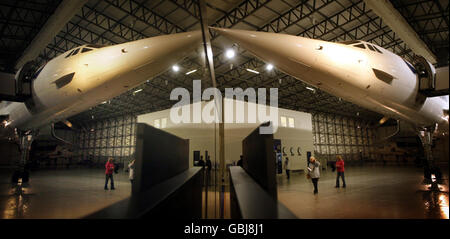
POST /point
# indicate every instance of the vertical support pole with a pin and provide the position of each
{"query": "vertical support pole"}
(426, 139)
(210, 67)
(222, 159)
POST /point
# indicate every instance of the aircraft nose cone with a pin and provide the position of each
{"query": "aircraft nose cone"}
(292, 54)
(175, 45)
(154, 55)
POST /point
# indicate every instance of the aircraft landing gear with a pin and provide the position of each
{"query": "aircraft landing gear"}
(22, 172)
(430, 169)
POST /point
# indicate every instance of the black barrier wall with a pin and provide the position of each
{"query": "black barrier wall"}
(159, 156)
(259, 160)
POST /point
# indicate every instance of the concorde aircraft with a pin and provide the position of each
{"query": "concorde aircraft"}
(87, 75)
(357, 71)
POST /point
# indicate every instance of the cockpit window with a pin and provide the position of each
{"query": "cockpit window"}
(86, 50)
(360, 46)
(95, 46)
(349, 42)
(378, 50)
(410, 67)
(70, 53)
(370, 47)
(76, 52)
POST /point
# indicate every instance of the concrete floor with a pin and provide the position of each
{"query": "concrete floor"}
(376, 192)
(372, 192)
(61, 193)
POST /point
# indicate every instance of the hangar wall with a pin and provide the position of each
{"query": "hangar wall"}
(202, 135)
(339, 135)
(113, 137)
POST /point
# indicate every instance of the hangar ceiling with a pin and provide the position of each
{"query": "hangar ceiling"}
(113, 21)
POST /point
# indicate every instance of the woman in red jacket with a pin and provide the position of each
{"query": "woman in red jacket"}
(109, 173)
(340, 171)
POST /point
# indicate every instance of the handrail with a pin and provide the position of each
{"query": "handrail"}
(250, 201)
(155, 202)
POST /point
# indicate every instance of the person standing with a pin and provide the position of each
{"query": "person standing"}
(239, 162)
(109, 173)
(314, 172)
(340, 171)
(131, 168)
(201, 162)
(208, 170)
(286, 167)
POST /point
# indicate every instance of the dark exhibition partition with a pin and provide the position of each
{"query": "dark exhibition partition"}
(164, 185)
(248, 200)
(159, 156)
(253, 188)
(259, 160)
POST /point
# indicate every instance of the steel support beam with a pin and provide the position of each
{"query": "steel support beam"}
(65, 11)
(398, 24)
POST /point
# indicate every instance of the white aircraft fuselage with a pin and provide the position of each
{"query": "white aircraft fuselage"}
(87, 75)
(359, 72)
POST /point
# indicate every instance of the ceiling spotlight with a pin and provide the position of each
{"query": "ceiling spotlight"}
(6, 123)
(311, 89)
(190, 72)
(269, 67)
(252, 71)
(137, 91)
(229, 53)
(175, 68)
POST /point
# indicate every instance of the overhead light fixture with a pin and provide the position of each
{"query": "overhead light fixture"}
(68, 123)
(92, 117)
(104, 102)
(229, 53)
(269, 67)
(6, 123)
(311, 89)
(382, 120)
(252, 71)
(175, 68)
(190, 72)
(137, 91)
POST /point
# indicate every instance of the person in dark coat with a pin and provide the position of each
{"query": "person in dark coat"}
(239, 162)
(208, 170)
(287, 167)
(201, 162)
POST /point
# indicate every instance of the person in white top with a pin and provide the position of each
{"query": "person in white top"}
(131, 168)
(314, 172)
